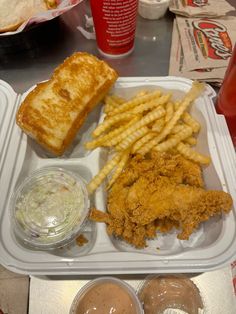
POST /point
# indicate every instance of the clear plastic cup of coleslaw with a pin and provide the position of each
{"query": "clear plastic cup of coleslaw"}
(49, 208)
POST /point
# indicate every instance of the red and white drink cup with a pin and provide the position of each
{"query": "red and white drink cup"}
(115, 25)
(226, 100)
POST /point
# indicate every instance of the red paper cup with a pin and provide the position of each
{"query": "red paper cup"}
(226, 100)
(115, 25)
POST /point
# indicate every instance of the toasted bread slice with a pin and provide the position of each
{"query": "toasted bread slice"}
(55, 110)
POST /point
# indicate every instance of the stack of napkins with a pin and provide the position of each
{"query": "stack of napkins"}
(203, 39)
(201, 8)
(201, 48)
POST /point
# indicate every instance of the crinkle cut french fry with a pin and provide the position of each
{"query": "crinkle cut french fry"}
(118, 100)
(158, 125)
(177, 128)
(169, 111)
(133, 137)
(176, 105)
(136, 101)
(141, 93)
(92, 144)
(190, 96)
(152, 104)
(166, 145)
(106, 124)
(148, 118)
(189, 153)
(174, 140)
(108, 108)
(98, 179)
(191, 141)
(189, 120)
(108, 100)
(104, 140)
(110, 104)
(137, 145)
(196, 89)
(119, 168)
(100, 141)
(184, 134)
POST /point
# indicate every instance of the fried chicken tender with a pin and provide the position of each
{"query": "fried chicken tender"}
(159, 192)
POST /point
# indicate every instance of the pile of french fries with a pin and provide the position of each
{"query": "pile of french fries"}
(148, 121)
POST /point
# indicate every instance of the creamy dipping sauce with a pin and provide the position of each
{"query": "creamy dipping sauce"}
(106, 298)
(170, 292)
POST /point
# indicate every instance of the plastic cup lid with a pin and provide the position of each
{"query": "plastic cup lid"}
(170, 294)
(49, 207)
(88, 298)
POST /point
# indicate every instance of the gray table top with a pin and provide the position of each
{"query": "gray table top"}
(30, 57)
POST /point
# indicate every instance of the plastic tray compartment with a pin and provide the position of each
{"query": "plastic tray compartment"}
(210, 247)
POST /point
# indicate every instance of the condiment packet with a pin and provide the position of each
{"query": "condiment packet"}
(200, 8)
(178, 65)
(63, 6)
(207, 43)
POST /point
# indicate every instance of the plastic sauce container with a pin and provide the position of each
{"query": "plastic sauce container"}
(106, 295)
(49, 208)
(226, 100)
(153, 9)
(170, 294)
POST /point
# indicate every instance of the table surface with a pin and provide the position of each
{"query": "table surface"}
(28, 58)
(215, 287)
(31, 57)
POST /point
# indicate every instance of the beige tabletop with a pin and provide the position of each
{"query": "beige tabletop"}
(14, 291)
(55, 296)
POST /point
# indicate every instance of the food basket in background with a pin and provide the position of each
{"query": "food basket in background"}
(62, 6)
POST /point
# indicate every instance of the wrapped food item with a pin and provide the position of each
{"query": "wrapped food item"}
(207, 43)
(178, 64)
(200, 8)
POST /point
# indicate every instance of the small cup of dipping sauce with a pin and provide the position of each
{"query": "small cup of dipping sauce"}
(106, 295)
(169, 293)
(49, 208)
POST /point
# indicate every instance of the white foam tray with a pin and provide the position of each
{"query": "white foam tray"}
(210, 247)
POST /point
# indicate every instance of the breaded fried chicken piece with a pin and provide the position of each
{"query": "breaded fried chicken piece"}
(187, 205)
(124, 228)
(159, 192)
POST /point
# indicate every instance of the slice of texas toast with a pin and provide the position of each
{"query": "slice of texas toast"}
(55, 110)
